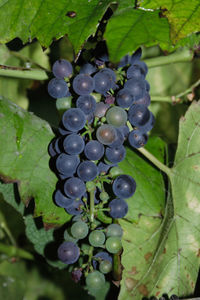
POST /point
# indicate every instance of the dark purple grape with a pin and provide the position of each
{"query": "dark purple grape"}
(142, 66)
(73, 144)
(67, 164)
(86, 103)
(101, 109)
(83, 84)
(135, 72)
(62, 200)
(138, 115)
(119, 139)
(74, 188)
(124, 61)
(149, 125)
(137, 87)
(94, 150)
(118, 208)
(68, 253)
(76, 275)
(110, 99)
(57, 88)
(144, 100)
(115, 155)
(51, 150)
(135, 57)
(87, 170)
(103, 82)
(124, 186)
(62, 68)
(137, 138)
(103, 168)
(74, 119)
(125, 131)
(124, 98)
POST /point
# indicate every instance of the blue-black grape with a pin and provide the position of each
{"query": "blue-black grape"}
(137, 87)
(74, 119)
(62, 68)
(103, 168)
(138, 115)
(75, 208)
(101, 109)
(124, 61)
(61, 200)
(94, 150)
(86, 103)
(68, 252)
(124, 130)
(124, 186)
(136, 56)
(87, 69)
(137, 138)
(135, 72)
(111, 74)
(118, 208)
(106, 134)
(74, 188)
(144, 100)
(149, 125)
(100, 256)
(73, 144)
(51, 149)
(67, 164)
(142, 66)
(115, 155)
(83, 84)
(103, 82)
(124, 98)
(87, 170)
(57, 88)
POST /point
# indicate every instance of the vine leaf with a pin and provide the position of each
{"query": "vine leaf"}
(40, 19)
(183, 16)
(163, 257)
(25, 160)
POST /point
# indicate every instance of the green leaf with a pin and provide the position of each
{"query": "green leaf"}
(44, 21)
(183, 16)
(149, 197)
(15, 88)
(25, 160)
(128, 29)
(163, 256)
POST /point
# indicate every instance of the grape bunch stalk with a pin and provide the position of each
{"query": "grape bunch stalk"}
(109, 109)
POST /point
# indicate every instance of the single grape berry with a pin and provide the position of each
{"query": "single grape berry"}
(137, 138)
(103, 82)
(95, 280)
(62, 68)
(106, 134)
(101, 109)
(105, 266)
(79, 230)
(74, 119)
(73, 144)
(124, 186)
(101, 256)
(83, 84)
(118, 208)
(113, 244)
(68, 252)
(116, 116)
(114, 230)
(67, 164)
(86, 103)
(94, 150)
(87, 69)
(96, 238)
(87, 170)
(138, 115)
(75, 208)
(57, 88)
(61, 200)
(115, 155)
(74, 188)
(76, 275)
(124, 98)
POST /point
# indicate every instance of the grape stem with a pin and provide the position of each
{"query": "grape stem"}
(13, 251)
(155, 161)
(92, 205)
(25, 73)
(176, 98)
(4, 226)
(177, 57)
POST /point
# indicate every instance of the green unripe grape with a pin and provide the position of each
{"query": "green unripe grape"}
(79, 230)
(114, 230)
(97, 238)
(116, 116)
(105, 266)
(104, 196)
(113, 244)
(115, 171)
(95, 280)
(90, 186)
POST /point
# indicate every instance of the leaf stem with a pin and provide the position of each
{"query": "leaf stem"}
(25, 73)
(12, 251)
(179, 56)
(155, 161)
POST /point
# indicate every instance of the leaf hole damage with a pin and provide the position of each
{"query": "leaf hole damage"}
(71, 14)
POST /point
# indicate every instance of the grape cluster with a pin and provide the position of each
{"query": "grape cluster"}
(109, 109)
